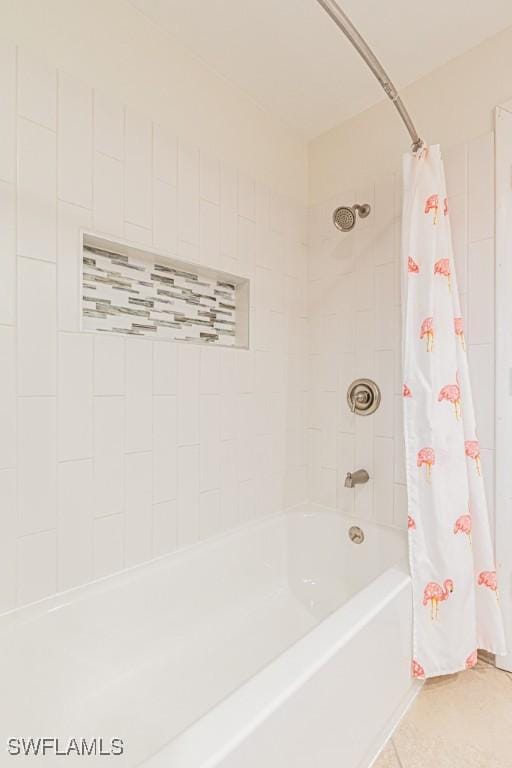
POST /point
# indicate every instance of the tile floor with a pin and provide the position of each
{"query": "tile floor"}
(458, 721)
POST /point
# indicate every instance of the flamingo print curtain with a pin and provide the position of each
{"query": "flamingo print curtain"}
(456, 602)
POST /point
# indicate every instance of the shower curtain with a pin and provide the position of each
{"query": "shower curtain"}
(455, 592)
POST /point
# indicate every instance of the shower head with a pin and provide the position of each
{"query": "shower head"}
(344, 218)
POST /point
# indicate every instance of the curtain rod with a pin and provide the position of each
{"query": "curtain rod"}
(362, 47)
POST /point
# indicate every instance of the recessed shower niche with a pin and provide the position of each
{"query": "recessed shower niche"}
(128, 290)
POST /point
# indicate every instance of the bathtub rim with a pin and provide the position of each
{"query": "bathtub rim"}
(24, 614)
(219, 731)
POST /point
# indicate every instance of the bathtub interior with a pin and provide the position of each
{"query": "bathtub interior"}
(144, 654)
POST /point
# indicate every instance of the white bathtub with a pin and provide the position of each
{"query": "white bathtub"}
(282, 645)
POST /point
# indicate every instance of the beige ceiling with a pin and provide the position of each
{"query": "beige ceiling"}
(292, 60)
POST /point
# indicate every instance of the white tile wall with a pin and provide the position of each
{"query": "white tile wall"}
(37, 191)
(37, 89)
(115, 450)
(75, 522)
(354, 298)
(7, 111)
(74, 170)
(108, 125)
(7, 252)
(8, 536)
(138, 155)
(37, 364)
(108, 195)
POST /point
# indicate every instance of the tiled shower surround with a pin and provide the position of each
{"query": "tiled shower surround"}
(116, 449)
(355, 331)
(146, 297)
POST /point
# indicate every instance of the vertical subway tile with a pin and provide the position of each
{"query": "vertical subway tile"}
(36, 328)
(109, 473)
(139, 395)
(400, 506)
(7, 253)
(109, 365)
(37, 457)
(188, 495)
(137, 234)
(209, 371)
(246, 197)
(481, 292)
(75, 397)
(139, 508)
(70, 220)
(165, 526)
(108, 125)
(481, 187)
(7, 397)
(210, 449)
(74, 173)
(37, 191)
(209, 238)
(188, 193)
(108, 194)
(165, 155)
(165, 224)
(228, 212)
(459, 229)
(7, 111)
(384, 415)
(383, 480)
(210, 519)
(481, 366)
(165, 448)
(456, 170)
(138, 154)
(37, 566)
(384, 315)
(37, 89)
(209, 178)
(188, 395)
(165, 368)
(75, 514)
(8, 517)
(108, 547)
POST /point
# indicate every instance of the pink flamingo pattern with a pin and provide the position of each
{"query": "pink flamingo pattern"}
(472, 451)
(488, 579)
(442, 267)
(449, 536)
(427, 331)
(432, 204)
(463, 525)
(458, 323)
(412, 266)
(416, 669)
(451, 393)
(435, 593)
(427, 457)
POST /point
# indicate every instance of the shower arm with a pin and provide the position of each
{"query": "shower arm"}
(343, 22)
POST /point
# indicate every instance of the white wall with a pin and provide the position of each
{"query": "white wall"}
(452, 104)
(110, 45)
(114, 450)
(354, 291)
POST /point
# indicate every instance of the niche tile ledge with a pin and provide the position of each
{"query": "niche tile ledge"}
(128, 290)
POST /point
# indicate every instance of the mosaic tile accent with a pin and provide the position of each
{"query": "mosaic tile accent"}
(153, 297)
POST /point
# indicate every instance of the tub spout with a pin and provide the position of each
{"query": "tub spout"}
(356, 478)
